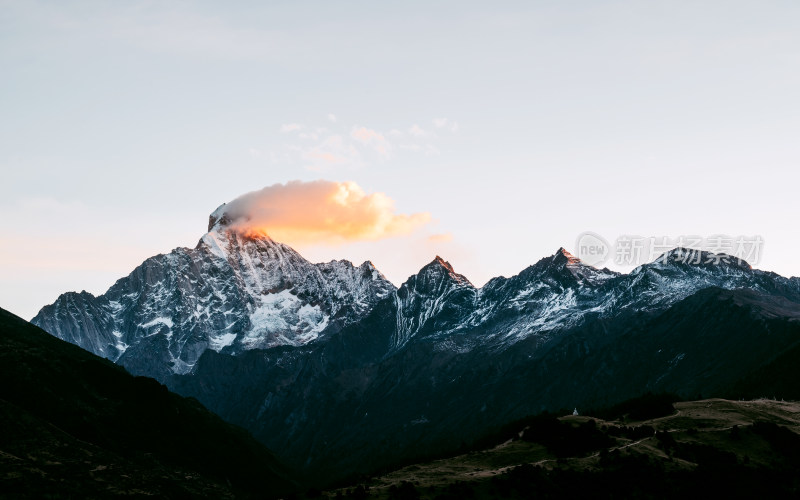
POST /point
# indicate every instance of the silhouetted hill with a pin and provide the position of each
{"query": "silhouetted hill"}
(75, 425)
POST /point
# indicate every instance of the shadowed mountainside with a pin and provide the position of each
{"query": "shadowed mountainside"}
(381, 410)
(76, 425)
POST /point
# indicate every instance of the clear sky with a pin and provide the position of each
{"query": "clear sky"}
(508, 128)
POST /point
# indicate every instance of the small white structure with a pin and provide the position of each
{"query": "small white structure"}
(575, 412)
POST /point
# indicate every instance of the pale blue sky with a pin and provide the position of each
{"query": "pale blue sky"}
(516, 125)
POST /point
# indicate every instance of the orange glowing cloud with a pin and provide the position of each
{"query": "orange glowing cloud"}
(318, 212)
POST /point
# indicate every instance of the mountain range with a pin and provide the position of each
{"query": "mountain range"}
(339, 372)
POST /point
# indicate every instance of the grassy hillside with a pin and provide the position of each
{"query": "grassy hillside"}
(720, 447)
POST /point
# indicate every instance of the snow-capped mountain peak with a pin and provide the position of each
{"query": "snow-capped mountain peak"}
(568, 270)
(563, 256)
(701, 258)
(235, 291)
(218, 218)
(437, 270)
(693, 262)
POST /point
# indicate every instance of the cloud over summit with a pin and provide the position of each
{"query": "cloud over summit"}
(319, 212)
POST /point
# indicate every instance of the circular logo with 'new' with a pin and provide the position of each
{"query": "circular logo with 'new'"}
(592, 248)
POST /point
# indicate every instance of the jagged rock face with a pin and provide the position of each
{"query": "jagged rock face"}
(230, 294)
(433, 302)
(338, 371)
(82, 319)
